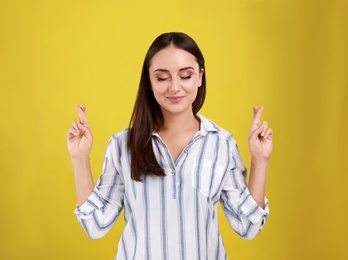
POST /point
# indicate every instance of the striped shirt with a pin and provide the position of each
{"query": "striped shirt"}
(174, 216)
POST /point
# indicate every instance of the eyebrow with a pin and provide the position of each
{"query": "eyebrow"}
(182, 69)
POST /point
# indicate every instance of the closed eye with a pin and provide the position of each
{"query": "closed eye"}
(187, 77)
(161, 79)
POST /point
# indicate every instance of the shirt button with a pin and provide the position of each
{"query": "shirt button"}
(173, 171)
(186, 151)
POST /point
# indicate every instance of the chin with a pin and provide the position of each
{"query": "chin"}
(176, 111)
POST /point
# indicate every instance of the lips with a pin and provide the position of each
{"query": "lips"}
(175, 99)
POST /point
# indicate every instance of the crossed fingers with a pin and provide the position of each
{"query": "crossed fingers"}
(81, 123)
(257, 128)
(81, 110)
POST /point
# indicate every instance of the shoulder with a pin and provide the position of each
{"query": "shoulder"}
(122, 135)
(118, 140)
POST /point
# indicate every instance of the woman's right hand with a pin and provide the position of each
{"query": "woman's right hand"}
(79, 136)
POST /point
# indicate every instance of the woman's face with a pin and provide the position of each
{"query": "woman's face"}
(175, 78)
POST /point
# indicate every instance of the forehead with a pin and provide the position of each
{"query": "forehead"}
(172, 58)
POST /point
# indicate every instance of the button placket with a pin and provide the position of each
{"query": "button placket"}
(177, 172)
(173, 177)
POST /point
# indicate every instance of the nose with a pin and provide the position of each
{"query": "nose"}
(174, 85)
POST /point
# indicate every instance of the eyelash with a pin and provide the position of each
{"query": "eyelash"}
(184, 78)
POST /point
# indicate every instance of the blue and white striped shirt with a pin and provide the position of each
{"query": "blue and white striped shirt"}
(175, 216)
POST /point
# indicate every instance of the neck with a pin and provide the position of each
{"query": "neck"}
(179, 122)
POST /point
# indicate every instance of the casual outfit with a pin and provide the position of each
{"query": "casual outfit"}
(174, 216)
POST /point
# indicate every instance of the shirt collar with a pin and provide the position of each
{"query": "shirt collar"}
(205, 127)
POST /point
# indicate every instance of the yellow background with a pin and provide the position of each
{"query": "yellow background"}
(290, 56)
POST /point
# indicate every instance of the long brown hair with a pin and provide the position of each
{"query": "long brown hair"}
(147, 115)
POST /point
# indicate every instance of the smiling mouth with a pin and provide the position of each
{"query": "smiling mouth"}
(175, 99)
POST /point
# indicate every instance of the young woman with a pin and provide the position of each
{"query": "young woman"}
(172, 166)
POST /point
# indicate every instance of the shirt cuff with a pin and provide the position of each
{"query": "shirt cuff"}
(251, 209)
(94, 201)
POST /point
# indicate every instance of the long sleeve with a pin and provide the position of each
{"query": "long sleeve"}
(174, 216)
(242, 212)
(102, 208)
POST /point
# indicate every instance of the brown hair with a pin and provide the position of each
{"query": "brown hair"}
(147, 115)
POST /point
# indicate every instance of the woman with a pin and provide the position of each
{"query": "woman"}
(171, 167)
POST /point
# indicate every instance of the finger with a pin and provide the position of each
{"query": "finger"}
(75, 125)
(264, 127)
(81, 110)
(83, 107)
(268, 133)
(72, 132)
(257, 116)
(255, 110)
(256, 120)
(256, 133)
(84, 130)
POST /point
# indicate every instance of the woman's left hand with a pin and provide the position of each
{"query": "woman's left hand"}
(260, 138)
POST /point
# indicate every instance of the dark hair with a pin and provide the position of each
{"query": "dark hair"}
(147, 115)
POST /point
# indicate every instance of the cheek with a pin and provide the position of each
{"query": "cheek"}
(158, 92)
(159, 87)
(191, 86)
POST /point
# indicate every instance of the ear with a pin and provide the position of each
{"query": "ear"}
(200, 77)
